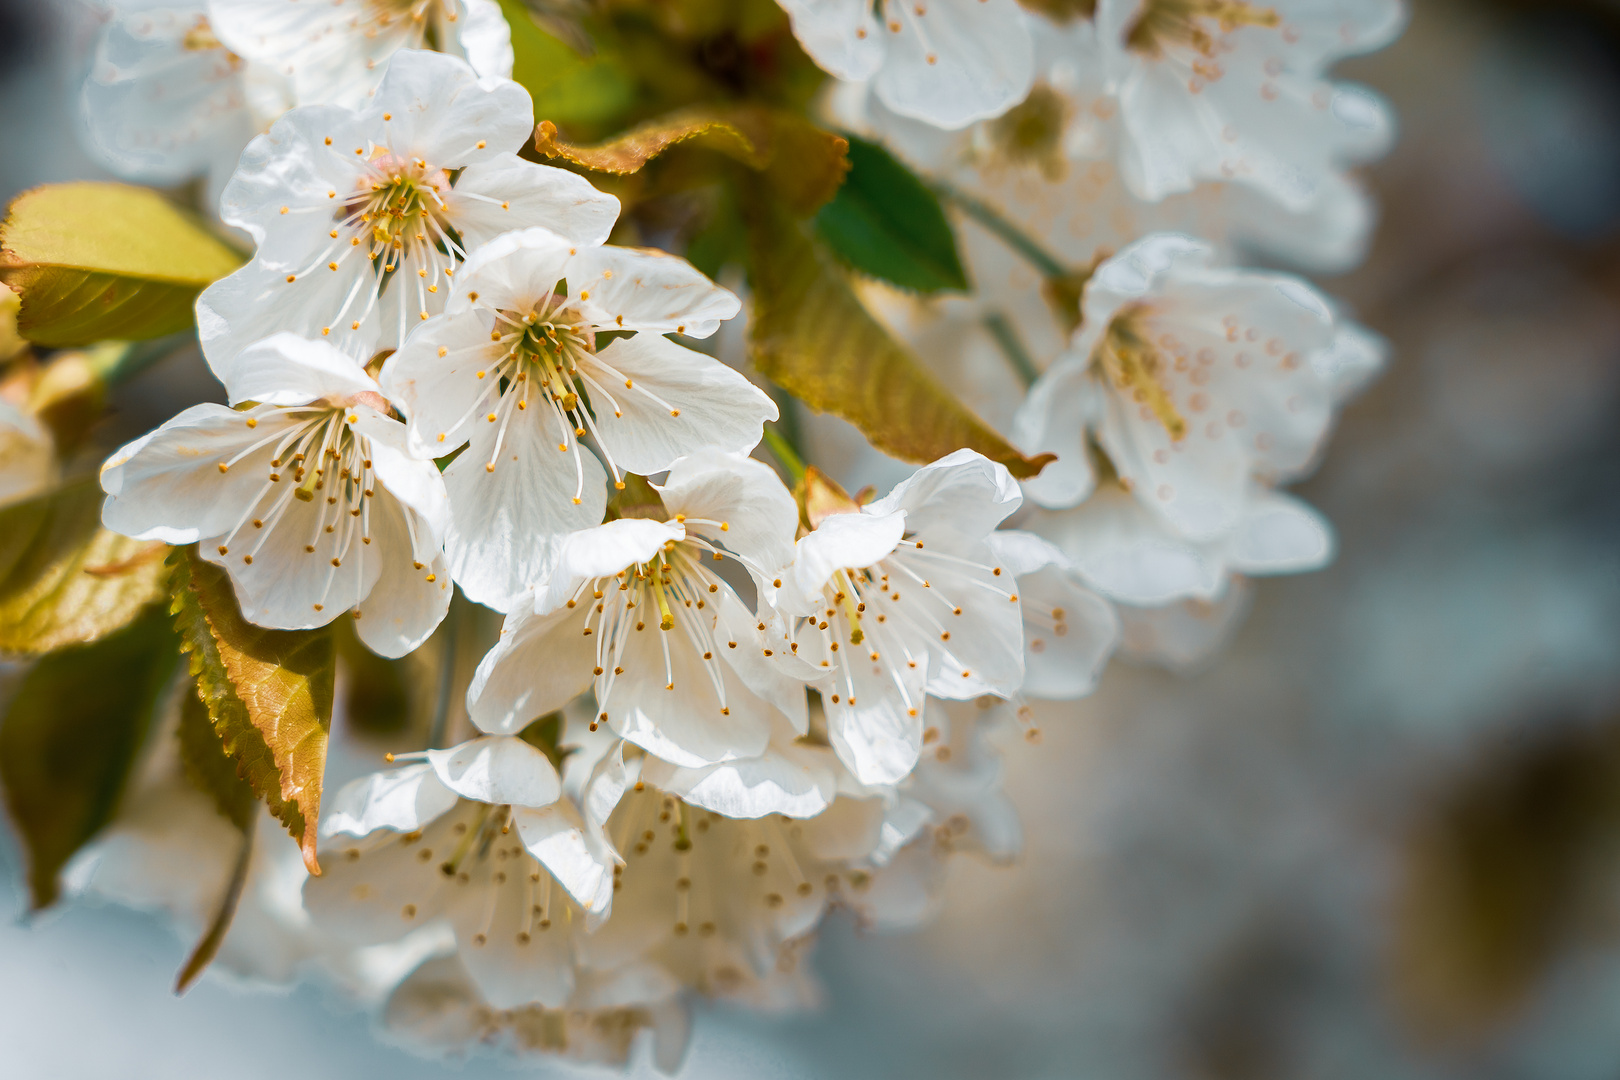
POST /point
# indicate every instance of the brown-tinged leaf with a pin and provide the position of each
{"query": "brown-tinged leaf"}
(95, 261)
(64, 579)
(268, 692)
(213, 772)
(813, 337)
(804, 164)
(70, 737)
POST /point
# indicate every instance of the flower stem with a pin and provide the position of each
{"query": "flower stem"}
(1048, 264)
(1001, 328)
(785, 452)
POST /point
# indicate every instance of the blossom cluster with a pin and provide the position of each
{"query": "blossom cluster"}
(722, 704)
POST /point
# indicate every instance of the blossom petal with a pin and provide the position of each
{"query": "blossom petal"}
(841, 541)
(498, 769)
(602, 552)
(951, 62)
(664, 401)
(513, 272)
(1069, 634)
(412, 591)
(1056, 418)
(167, 486)
(433, 106)
(650, 290)
(507, 522)
(557, 837)
(504, 193)
(958, 499)
(785, 780)
(540, 664)
(746, 496)
(840, 35)
(285, 369)
(1280, 535)
(403, 800)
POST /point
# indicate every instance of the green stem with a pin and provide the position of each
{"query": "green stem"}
(785, 452)
(447, 671)
(1048, 264)
(1001, 328)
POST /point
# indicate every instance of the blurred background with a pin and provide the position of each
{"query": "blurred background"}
(1378, 837)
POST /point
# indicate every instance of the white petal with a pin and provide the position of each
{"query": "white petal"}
(416, 484)
(956, 61)
(679, 402)
(1129, 554)
(258, 301)
(507, 524)
(840, 35)
(958, 499)
(603, 551)
(1280, 535)
(498, 769)
(439, 396)
(1064, 666)
(784, 780)
(1020, 553)
(557, 837)
(540, 663)
(744, 495)
(443, 113)
(403, 800)
(515, 271)
(506, 193)
(1061, 408)
(878, 739)
(286, 369)
(650, 290)
(167, 485)
(412, 591)
(842, 541)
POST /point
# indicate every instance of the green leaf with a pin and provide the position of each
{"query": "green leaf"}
(886, 223)
(803, 163)
(268, 692)
(567, 87)
(95, 261)
(64, 579)
(213, 772)
(70, 737)
(813, 337)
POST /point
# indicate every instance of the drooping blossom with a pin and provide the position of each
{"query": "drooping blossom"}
(513, 369)
(305, 495)
(361, 218)
(903, 598)
(636, 610)
(480, 836)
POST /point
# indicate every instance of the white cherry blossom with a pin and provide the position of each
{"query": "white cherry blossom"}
(166, 101)
(719, 902)
(361, 218)
(481, 836)
(1228, 89)
(902, 598)
(1195, 380)
(512, 369)
(636, 610)
(305, 495)
(27, 455)
(439, 1008)
(333, 52)
(945, 62)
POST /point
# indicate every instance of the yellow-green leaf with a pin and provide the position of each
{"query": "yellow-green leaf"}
(95, 261)
(804, 164)
(64, 579)
(70, 737)
(213, 772)
(813, 337)
(268, 692)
